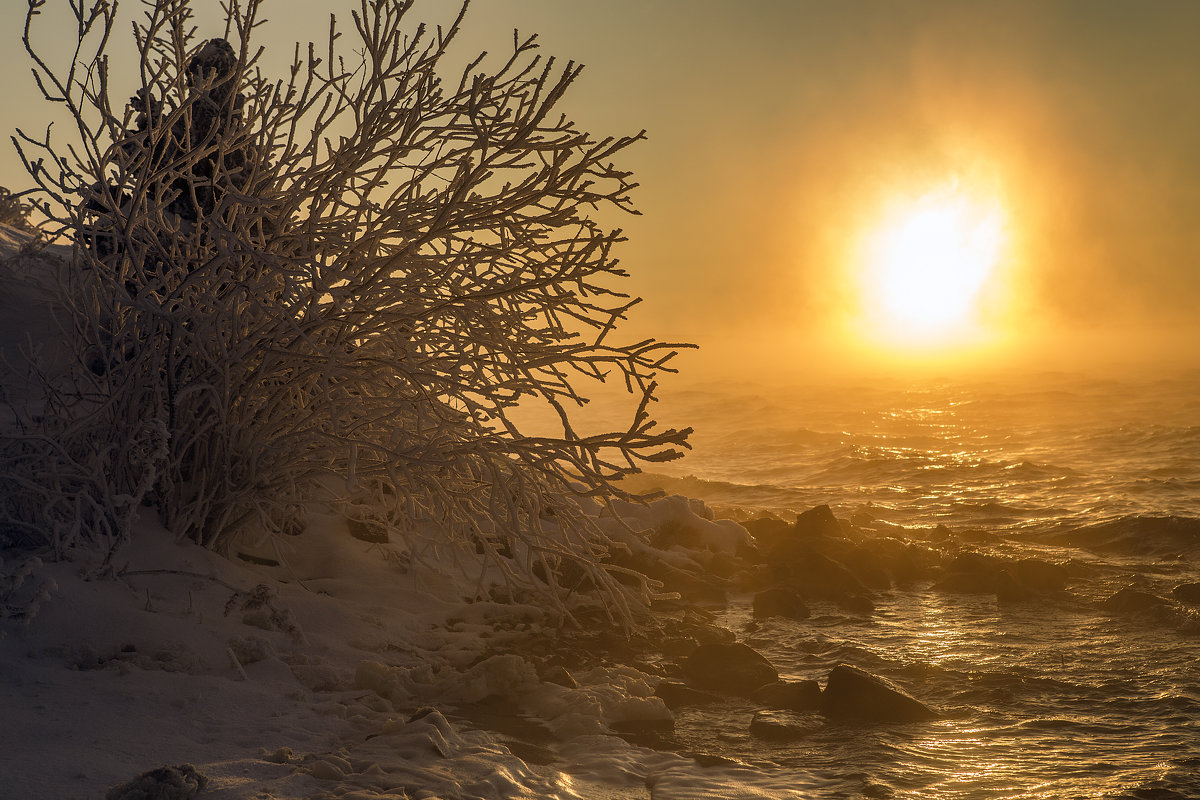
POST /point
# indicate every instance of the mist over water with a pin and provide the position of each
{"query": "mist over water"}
(1030, 454)
(1054, 698)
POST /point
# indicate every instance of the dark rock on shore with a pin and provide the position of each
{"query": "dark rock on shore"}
(679, 646)
(677, 695)
(558, 674)
(780, 602)
(644, 727)
(790, 695)
(1009, 589)
(784, 726)
(971, 573)
(818, 521)
(853, 694)
(868, 566)
(1187, 593)
(906, 561)
(813, 573)
(767, 532)
(857, 604)
(1009, 580)
(825, 558)
(700, 626)
(1134, 601)
(1040, 576)
(693, 586)
(182, 782)
(729, 668)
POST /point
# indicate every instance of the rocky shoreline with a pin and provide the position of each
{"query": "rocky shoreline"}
(781, 569)
(390, 684)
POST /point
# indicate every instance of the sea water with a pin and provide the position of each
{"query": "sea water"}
(1048, 699)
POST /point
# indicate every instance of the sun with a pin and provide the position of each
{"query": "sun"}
(926, 266)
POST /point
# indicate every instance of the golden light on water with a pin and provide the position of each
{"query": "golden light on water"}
(925, 270)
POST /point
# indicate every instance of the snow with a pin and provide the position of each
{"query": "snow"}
(341, 672)
(317, 693)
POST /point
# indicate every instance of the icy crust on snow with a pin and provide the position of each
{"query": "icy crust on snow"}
(605, 696)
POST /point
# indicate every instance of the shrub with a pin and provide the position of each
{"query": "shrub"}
(13, 212)
(340, 284)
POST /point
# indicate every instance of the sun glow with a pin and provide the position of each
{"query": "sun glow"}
(926, 268)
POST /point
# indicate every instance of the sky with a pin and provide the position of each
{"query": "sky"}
(784, 134)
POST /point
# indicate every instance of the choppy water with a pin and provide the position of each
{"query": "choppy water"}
(1053, 699)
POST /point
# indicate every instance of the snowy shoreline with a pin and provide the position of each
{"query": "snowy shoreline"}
(334, 671)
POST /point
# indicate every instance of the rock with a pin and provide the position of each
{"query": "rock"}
(964, 583)
(707, 633)
(814, 574)
(1027, 579)
(326, 770)
(905, 561)
(780, 602)
(971, 573)
(679, 646)
(182, 782)
(1010, 590)
(283, 755)
(644, 727)
(677, 695)
(317, 677)
(1187, 593)
(1134, 601)
(768, 531)
(856, 604)
(941, 534)
(976, 564)
(375, 532)
(723, 565)
(790, 695)
(673, 533)
(702, 627)
(868, 567)
(784, 726)
(818, 521)
(558, 674)
(1040, 576)
(250, 649)
(748, 554)
(729, 668)
(754, 578)
(857, 695)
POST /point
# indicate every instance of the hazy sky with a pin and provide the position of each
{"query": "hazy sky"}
(781, 129)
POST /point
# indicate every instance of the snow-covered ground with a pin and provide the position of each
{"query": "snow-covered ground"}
(319, 668)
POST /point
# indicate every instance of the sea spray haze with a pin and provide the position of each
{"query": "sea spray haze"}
(334, 285)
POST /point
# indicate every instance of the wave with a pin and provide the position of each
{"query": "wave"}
(765, 497)
(1134, 534)
(911, 468)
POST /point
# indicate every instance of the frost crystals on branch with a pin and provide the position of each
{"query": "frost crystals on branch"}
(347, 278)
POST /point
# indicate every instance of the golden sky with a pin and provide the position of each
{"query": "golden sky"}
(783, 132)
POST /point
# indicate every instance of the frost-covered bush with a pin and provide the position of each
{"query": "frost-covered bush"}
(338, 284)
(13, 212)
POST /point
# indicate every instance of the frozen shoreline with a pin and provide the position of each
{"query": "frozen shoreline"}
(334, 672)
